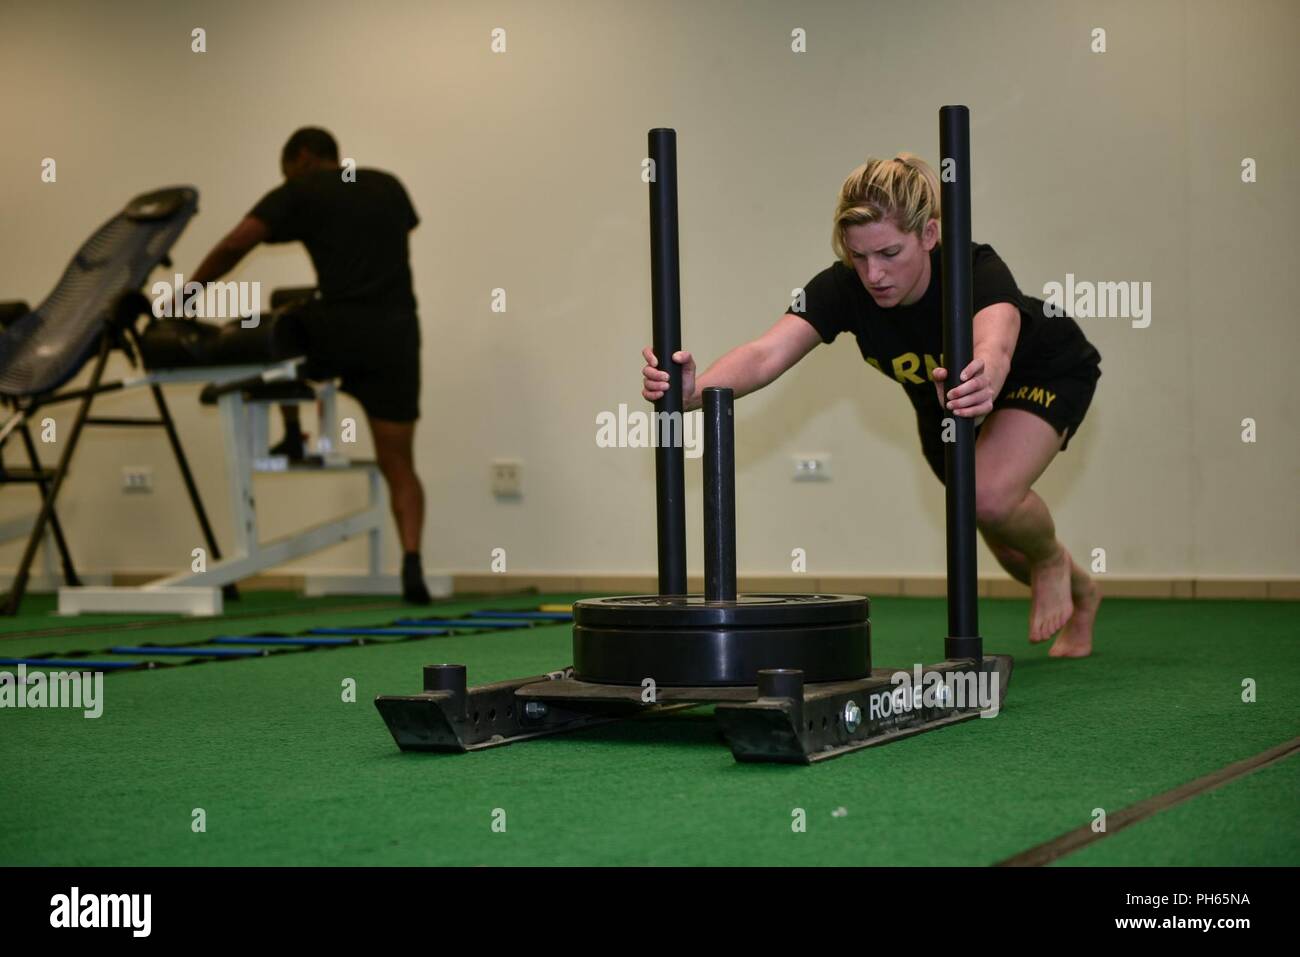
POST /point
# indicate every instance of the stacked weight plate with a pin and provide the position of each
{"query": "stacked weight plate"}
(691, 640)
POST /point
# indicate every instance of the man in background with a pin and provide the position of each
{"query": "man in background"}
(363, 328)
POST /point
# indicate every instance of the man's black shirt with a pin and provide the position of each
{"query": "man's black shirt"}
(355, 232)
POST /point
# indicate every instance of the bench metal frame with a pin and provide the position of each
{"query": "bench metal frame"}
(245, 431)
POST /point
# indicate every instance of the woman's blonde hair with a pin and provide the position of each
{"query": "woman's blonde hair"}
(902, 190)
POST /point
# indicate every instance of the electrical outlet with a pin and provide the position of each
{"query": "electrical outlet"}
(137, 478)
(812, 468)
(507, 479)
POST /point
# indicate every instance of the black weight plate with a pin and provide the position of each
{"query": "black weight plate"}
(720, 656)
(694, 611)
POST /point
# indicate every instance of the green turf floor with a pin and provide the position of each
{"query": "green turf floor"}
(288, 773)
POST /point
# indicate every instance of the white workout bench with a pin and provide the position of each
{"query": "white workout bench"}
(245, 428)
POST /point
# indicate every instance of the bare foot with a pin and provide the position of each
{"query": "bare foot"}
(1050, 607)
(1076, 640)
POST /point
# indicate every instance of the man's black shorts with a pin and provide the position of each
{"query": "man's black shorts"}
(373, 349)
(1061, 401)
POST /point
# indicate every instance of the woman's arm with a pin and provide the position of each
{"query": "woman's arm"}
(996, 329)
(745, 369)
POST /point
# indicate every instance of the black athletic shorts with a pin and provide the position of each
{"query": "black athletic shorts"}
(1061, 401)
(373, 349)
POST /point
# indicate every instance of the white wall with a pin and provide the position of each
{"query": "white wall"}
(525, 168)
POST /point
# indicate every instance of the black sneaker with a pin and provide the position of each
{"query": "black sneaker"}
(414, 591)
(293, 446)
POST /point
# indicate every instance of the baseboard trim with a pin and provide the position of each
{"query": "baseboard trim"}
(913, 586)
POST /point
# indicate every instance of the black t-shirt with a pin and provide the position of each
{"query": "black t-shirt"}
(906, 342)
(355, 233)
